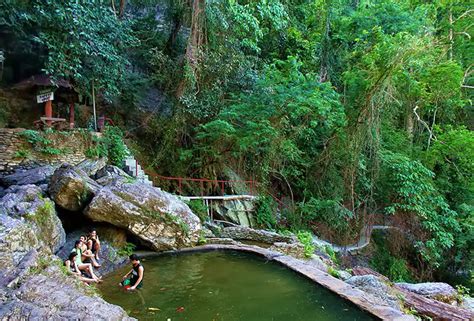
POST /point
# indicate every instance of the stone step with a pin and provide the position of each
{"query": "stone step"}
(132, 168)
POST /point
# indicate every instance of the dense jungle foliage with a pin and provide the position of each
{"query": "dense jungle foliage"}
(352, 112)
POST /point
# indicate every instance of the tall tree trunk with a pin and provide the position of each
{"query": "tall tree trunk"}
(409, 123)
(123, 4)
(451, 33)
(325, 43)
(177, 24)
(195, 42)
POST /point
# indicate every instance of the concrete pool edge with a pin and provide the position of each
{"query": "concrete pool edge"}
(361, 299)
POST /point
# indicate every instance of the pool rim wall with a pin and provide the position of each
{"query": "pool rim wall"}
(358, 297)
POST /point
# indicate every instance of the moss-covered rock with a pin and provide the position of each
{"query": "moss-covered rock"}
(27, 204)
(159, 219)
(71, 188)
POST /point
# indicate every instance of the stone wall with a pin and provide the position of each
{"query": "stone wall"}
(16, 152)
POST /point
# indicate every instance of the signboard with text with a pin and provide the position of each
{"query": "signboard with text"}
(44, 97)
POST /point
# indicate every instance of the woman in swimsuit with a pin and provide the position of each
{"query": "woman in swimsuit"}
(71, 267)
(86, 267)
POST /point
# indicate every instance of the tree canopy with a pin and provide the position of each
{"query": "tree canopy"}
(353, 111)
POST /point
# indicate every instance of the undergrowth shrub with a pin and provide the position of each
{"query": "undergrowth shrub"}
(265, 209)
(306, 239)
(41, 141)
(199, 208)
(110, 145)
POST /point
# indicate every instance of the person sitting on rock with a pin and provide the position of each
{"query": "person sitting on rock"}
(70, 264)
(93, 243)
(86, 267)
(87, 255)
(134, 278)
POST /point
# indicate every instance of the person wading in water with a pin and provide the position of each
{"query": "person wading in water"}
(134, 279)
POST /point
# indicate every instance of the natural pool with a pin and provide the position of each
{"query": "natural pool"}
(226, 286)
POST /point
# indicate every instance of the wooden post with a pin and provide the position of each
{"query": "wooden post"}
(208, 209)
(71, 116)
(93, 106)
(48, 111)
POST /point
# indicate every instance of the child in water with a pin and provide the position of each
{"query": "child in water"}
(134, 278)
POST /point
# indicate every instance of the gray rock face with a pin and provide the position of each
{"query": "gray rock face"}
(159, 219)
(27, 204)
(317, 262)
(16, 239)
(111, 175)
(38, 175)
(91, 166)
(374, 286)
(71, 188)
(57, 297)
(235, 211)
(468, 303)
(292, 249)
(344, 275)
(250, 234)
(433, 290)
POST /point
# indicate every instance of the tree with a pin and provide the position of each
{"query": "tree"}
(85, 43)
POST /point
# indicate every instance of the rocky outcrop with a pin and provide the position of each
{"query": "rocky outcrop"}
(433, 290)
(237, 211)
(17, 239)
(250, 234)
(92, 166)
(158, 219)
(27, 205)
(72, 188)
(292, 249)
(52, 295)
(111, 175)
(468, 303)
(30, 231)
(38, 175)
(377, 288)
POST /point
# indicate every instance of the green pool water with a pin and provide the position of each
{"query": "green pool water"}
(226, 286)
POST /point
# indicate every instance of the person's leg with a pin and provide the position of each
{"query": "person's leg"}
(91, 259)
(87, 280)
(97, 249)
(88, 268)
(89, 244)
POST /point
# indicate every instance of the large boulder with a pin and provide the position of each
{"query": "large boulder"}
(38, 175)
(111, 175)
(157, 218)
(434, 290)
(71, 188)
(250, 234)
(92, 166)
(377, 288)
(27, 203)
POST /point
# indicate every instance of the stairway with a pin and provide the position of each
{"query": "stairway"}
(132, 168)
